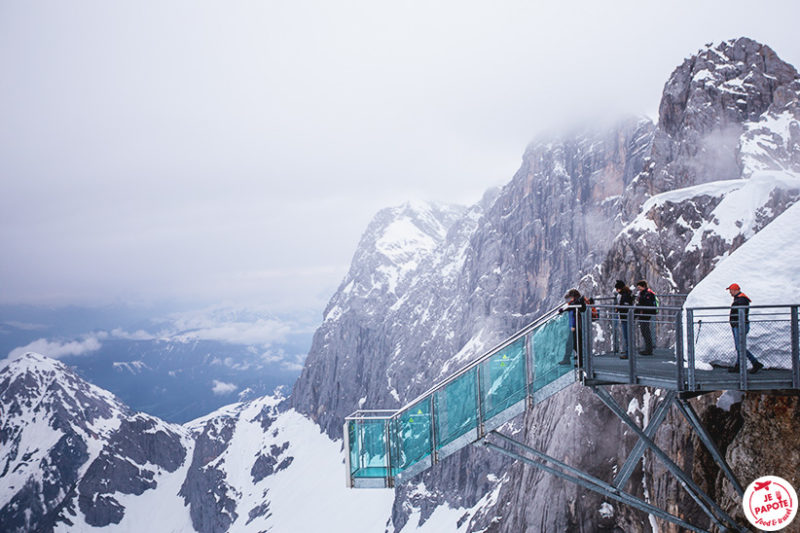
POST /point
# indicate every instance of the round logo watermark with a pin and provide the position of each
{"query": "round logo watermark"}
(770, 503)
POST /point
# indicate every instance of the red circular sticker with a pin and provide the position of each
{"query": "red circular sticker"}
(770, 503)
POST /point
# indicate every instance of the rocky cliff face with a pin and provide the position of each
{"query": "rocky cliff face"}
(730, 112)
(500, 264)
(664, 202)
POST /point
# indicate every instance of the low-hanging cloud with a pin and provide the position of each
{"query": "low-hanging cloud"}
(25, 326)
(56, 349)
(231, 326)
(221, 388)
(138, 335)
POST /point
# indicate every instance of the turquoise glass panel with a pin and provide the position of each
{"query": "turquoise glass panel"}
(503, 379)
(456, 408)
(411, 435)
(368, 448)
(551, 341)
(353, 441)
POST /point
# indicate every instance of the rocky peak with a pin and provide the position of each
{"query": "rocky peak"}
(35, 386)
(725, 111)
(731, 82)
(708, 103)
(395, 242)
(67, 445)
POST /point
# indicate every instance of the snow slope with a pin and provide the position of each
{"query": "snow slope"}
(767, 267)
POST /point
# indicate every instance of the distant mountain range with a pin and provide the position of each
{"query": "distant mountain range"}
(177, 368)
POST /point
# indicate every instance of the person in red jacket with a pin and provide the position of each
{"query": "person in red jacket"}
(740, 300)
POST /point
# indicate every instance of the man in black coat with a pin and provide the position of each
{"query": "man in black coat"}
(740, 300)
(645, 309)
(624, 302)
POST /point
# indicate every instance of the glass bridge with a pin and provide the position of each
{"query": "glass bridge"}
(387, 445)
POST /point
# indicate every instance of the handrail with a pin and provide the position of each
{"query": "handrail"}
(620, 306)
(452, 377)
(728, 308)
(373, 413)
(486, 355)
(365, 414)
(510, 340)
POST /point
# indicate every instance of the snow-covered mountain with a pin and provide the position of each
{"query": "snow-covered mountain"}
(686, 203)
(73, 456)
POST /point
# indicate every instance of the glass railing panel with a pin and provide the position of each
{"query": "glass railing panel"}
(368, 448)
(411, 435)
(503, 379)
(551, 344)
(353, 442)
(456, 408)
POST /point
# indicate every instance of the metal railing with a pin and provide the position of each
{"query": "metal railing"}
(734, 339)
(695, 348)
(631, 336)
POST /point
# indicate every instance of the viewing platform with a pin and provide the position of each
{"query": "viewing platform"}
(694, 353)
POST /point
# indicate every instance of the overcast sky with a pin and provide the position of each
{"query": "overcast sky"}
(209, 151)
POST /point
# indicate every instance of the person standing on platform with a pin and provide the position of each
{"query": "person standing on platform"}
(645, 309)
(573, 298)
(625, 300)
(740, 300)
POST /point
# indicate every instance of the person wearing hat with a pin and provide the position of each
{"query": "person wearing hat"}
(624, 302)
(573, 298)
(740, 300)
(645, 308)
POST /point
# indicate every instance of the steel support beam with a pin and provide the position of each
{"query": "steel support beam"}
(586, 481)
(690, 341)
(795, 349)
(638, 449)
(680, 374)
(701, 498)
(691, 416)
(741, 347)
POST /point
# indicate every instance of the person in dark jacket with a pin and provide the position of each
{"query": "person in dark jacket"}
(573, 298)
(625, 300)
(645, 309)
(740, 300)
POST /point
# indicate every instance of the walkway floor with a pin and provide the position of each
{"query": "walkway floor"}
(660, 370)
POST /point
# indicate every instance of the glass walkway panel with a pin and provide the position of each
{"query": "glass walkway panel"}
(523, 370)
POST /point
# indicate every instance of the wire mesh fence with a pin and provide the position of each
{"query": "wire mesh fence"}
(765, 333)
(613, 328)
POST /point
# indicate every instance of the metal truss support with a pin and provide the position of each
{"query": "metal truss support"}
(708, 505)
(568, 473)
(639, 448)
(691, 416)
